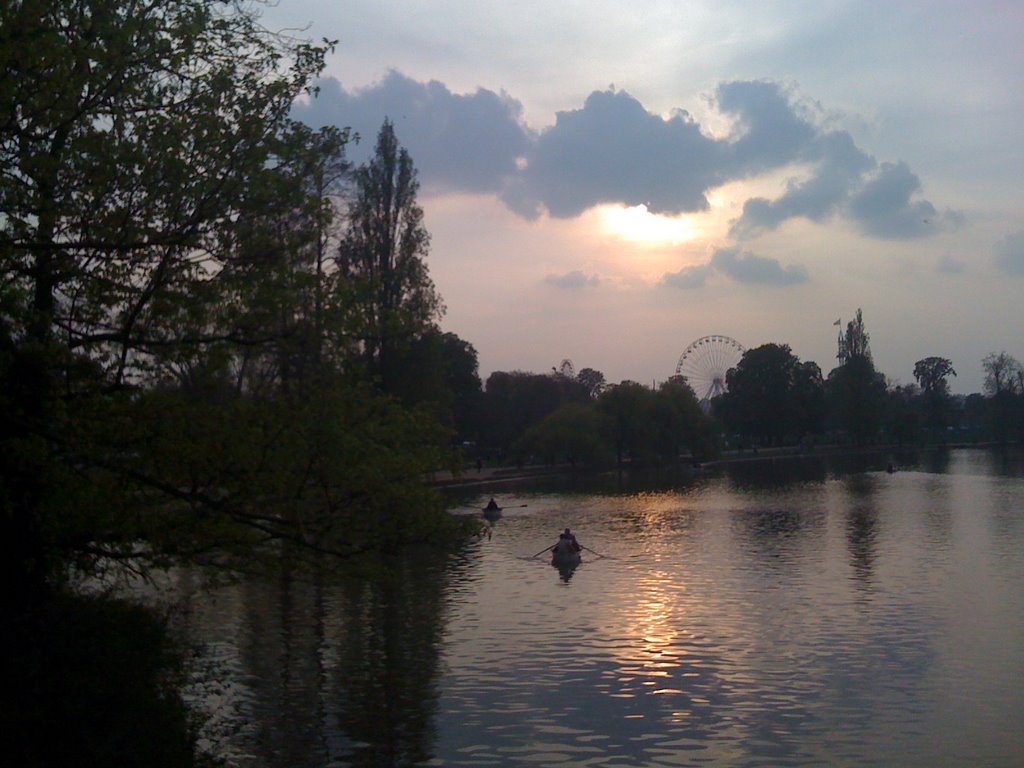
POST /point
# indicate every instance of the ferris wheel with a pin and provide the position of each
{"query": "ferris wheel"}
(566, 369)
(705, 363)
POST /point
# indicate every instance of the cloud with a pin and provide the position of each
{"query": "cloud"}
(745, 267)
(573, 281)
(688, 278)
(613, 151)
(839, 167)
(883, 207)
(1009, 254)
(468, 143)
(741, 266)
(768, 130)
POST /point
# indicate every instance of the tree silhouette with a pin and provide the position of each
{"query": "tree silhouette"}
(381, 257)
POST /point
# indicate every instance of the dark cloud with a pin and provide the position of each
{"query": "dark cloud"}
(688, 278)
(465, 143)
(839, 167)
(741, 266)
(612, 150)
(882, 208)
(769, 132)
(1009, 254)
(744, 267)
(573, 281)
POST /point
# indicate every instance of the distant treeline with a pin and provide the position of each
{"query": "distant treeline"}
(773, 399)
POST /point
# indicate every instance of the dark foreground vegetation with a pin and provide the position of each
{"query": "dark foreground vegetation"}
(220, 342)
(209, 324)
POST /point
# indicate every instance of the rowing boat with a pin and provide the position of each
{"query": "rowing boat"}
(564, 554)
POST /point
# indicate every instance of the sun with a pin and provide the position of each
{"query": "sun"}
(637, 224)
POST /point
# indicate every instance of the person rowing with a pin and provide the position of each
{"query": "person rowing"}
(570, 538)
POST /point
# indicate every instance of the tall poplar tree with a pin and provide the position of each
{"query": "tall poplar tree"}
(855, 391)
(381, 259)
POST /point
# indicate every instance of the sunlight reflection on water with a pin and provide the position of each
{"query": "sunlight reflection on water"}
(809, 618)
(807, 623)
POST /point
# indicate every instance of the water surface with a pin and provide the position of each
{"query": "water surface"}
(784, 612)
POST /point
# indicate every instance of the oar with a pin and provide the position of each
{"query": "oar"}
(592, 551)
(500, 509)
(546, 549)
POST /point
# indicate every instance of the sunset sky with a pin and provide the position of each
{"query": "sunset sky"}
(608, 181)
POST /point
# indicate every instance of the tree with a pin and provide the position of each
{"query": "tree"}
(381, 257)
(931, 374)
(440, 369)
(592, 380)
(855, 342)
(900, 416)
(570, 433)
(628, 411)
(277, 298)
(681, 424)
(1003, 385)
(129, 134)
(771, 394)
(462, 375)
(513, 402)
(974, 415)
(855, 396)
(855, 391)
(1002, 374)
(809, 399)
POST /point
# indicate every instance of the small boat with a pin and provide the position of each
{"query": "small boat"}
(564, 554)
(492, 513)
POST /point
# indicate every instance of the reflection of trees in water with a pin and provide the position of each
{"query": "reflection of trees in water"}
(1007, 461)
(387, 640)
(862, 540)
(768, 473)
(778, 536)
(935, 461)
(862, 526)
(278, 654)
(339, 669)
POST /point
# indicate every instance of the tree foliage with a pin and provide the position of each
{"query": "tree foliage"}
(855, 393)
(129, 136)
(178, 348)
(855, 342)
(571, 433)
(680, 424)
(627, 410)
(932, 374)
(772, 395)
(1002, 374)
(513, 402)
(381, 257)
(592, 381)
(1004, 384)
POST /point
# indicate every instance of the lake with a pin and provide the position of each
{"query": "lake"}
(811, 611)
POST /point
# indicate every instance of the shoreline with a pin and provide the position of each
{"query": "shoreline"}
(505, 474)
